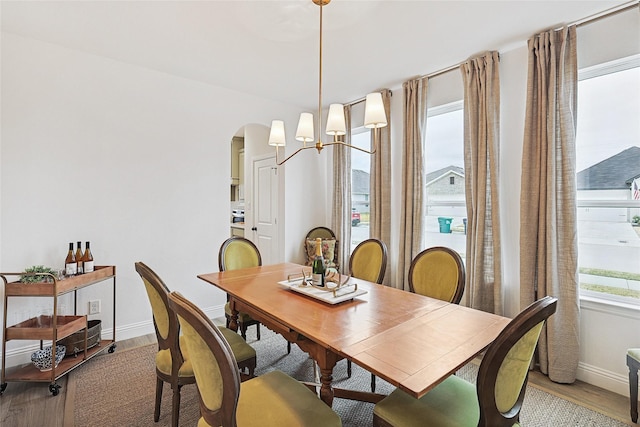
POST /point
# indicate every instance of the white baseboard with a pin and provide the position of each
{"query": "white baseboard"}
(604, 379)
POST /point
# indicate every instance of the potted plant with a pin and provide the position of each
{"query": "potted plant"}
(31, 274)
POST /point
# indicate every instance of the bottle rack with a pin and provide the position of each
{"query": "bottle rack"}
(52, 328)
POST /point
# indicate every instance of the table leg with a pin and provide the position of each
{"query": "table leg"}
(326, 391)
(233, 323)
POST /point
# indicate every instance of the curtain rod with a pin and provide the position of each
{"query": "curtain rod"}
(364, 98)
(584, 21)
(606, 13)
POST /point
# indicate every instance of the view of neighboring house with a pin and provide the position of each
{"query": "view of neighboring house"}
(360, 190)
(445, 184)
(610, 179)
(445, 194)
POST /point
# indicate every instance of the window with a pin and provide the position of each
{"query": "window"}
(446, 213)
(608, 167)
(360, 172)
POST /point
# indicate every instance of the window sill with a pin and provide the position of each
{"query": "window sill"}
(617, 308)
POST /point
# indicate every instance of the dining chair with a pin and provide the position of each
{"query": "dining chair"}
(495, 400)
(173, 364)
(329, 249)
(633, 362)
(235, 253)
(368, 261)
(272, 399)
(438, 272)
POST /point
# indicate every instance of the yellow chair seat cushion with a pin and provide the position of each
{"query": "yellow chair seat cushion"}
(453, 403)
(163, 361)
(634, 353)
(241, 350)
(242, 317)
(275, 399)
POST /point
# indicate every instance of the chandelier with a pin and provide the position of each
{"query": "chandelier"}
(374, 117)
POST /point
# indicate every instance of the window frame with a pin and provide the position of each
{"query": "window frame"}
(586, 73)
(436, 111)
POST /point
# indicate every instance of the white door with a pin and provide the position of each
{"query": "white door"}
(265, 209)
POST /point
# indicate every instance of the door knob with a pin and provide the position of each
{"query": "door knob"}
(254, 228)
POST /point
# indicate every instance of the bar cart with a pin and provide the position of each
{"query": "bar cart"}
(54, 327)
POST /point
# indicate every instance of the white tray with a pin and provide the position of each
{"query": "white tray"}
(322, 295)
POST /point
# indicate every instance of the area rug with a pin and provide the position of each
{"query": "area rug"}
(119, 390)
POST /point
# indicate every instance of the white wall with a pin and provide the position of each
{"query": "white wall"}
(133, 160)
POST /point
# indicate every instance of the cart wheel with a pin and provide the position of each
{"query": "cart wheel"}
(112, 348)
(54, 389)
(3, 387)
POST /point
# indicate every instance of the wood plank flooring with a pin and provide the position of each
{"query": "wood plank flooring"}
(31, 404)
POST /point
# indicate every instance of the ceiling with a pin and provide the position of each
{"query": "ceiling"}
(270, 48)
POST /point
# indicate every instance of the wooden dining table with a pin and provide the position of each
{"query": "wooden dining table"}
(412, 341)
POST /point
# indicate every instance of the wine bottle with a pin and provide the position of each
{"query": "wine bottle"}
(79, 258)
(87, 259)
(318, 267)
(70, 264)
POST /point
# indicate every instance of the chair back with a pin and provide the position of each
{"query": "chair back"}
(330, 246)
(322, 232)
(238, 252)
(438, 272)
(368, 261)
(165, 321)
(214, 364)
(504, 370)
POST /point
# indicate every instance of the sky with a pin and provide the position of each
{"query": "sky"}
(608, 116)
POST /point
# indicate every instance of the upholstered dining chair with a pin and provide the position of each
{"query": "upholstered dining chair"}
(330, 246)
(235, 253)
(438, 272)
(368, 261)
(495, 400)
(173, 364)
(633, 362)
(272, 399)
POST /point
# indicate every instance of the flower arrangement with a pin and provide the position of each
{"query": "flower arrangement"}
(31, 277)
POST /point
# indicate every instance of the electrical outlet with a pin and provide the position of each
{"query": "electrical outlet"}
(94, 306)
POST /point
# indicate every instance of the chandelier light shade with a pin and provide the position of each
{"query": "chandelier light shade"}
(335, 121)
(305, 128)
(374, 114)
(276, 136)
(375, 117)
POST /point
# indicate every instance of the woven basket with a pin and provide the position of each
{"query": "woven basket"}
(75, 342)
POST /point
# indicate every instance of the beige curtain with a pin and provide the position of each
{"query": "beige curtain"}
(341, 206)
(412, 196)
(548, 231)
(481, 79)
(380, 183)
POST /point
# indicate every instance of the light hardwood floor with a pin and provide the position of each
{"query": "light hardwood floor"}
(30, 404)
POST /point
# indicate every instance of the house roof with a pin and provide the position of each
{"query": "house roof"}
(435, 175)
(359, 182)
(614, 173)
